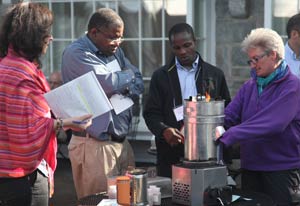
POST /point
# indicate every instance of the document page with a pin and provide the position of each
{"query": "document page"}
(83, 95)
(120, 103)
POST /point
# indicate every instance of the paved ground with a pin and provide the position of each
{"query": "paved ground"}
(65, 194)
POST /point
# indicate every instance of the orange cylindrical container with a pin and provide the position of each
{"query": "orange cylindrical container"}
(123, 190)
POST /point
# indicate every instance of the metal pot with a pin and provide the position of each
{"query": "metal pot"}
(200, 120)
(132, 188)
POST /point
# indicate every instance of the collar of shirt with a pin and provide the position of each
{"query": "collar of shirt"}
(290, 53)
(96, 51)
(90, 44)
(194, 65)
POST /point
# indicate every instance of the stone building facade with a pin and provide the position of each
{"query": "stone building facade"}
(234, 20)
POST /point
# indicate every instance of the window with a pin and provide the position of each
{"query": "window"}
(278, 12)
(146, 29)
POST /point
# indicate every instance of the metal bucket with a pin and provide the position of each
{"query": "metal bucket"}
(200, 120)
(138, 189)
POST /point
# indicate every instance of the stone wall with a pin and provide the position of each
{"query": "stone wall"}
(234, 20)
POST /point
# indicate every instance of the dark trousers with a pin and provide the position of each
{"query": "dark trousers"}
(279, 185)
(167, 156)
(31, 190)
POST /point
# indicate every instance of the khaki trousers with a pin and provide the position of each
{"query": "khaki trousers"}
(93, 161)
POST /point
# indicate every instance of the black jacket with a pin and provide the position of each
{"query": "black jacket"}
(165, 94)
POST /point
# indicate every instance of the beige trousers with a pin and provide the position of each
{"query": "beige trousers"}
(93, 161)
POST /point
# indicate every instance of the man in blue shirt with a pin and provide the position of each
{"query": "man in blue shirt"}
(292, 46)
(103, 150)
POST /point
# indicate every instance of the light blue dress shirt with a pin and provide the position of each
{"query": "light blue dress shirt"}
(83, 56)
(187, 78)
(292, 60)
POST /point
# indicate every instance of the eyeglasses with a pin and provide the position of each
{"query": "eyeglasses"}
(254, 60)
(48, 39)
(112, 40)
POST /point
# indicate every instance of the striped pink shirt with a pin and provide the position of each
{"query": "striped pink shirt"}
(26, 128)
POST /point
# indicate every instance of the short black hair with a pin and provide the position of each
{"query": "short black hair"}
(181, 27)
(293, 24)
(104, 17)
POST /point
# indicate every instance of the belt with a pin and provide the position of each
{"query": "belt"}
(111, 137)
(80, 134)
(9, 179)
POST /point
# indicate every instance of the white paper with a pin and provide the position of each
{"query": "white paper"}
(120, 103)
(113, 66)
(235, 198)
(108, 202)
(83, 95)
(178, 112)
(101, 69)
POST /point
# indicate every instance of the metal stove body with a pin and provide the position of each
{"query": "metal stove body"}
(202, 168)
(190, 181)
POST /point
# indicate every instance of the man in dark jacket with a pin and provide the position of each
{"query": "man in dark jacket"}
(186, 75)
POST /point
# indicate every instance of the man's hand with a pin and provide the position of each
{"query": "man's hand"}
(173, 136)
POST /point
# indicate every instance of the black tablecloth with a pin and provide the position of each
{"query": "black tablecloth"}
(257, 199)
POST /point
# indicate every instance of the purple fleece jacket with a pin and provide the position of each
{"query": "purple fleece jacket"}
(266, 126)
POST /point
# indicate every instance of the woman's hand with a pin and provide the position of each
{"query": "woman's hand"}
(78, 123)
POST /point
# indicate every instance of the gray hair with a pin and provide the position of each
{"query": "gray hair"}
(267, 39)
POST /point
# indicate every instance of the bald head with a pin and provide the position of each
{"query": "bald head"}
(55, 80)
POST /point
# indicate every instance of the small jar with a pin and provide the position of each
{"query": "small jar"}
(156, 196)
(150, 196)
(112, 192)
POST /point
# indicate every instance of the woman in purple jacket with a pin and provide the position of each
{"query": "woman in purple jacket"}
(264, 117)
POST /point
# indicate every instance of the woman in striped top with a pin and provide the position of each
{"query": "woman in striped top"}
(27, 131)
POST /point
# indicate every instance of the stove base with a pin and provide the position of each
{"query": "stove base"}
(189, 181)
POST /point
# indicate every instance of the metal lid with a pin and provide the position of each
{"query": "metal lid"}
(137, 172)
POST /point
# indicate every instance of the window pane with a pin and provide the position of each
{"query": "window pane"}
(106, 4)
(281, 13)
(14, 1)
(82, 12)
(200, 46)
(279, 25)
(175, 13)
(201, 16)
(169, 55)
(45, 59)
(131, 51)
(151, 18)
(129, 13)
(58, 48)
(152, 57)
(145, 95)
(62, 20)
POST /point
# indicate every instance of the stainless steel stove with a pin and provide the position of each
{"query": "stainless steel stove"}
(202, 168)
(190, 180)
